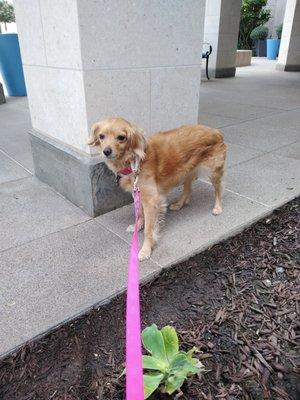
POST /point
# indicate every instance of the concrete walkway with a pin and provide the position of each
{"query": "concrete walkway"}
(57, 262)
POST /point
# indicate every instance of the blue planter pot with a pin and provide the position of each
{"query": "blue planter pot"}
(260, 48)
(272, 48)
(11, 64)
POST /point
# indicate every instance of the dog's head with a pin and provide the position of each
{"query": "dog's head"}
(117, 138)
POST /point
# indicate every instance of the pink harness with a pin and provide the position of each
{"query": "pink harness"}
(134, 367)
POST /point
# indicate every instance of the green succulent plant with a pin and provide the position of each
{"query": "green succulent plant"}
(166, 368)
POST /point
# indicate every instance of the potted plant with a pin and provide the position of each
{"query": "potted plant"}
(253, 13)
(273, 44)
(259, 36)
(10, 56)
(272, 48)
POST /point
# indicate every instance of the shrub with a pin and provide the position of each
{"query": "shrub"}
(279, 31)
(167, 367)
(259, 33)
(253, 14)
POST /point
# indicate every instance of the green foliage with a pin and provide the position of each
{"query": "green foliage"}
(7, 14)
(279, 31)
(259, 33)
(166, 367)
(253, 14)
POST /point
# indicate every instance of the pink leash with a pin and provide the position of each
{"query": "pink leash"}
(134, 368)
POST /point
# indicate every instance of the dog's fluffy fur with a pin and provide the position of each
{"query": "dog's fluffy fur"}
(167, 159)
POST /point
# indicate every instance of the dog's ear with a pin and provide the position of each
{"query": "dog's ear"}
(94, 139)
(137, 141)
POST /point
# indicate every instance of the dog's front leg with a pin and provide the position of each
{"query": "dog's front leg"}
(151, 211)
(140, 221)
(126, 183)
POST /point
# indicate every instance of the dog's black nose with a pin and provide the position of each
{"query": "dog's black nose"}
(107, 151)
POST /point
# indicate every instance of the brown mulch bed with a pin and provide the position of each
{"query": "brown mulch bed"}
(238, 302)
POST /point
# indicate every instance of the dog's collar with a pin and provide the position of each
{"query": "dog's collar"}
(133, 169)
(125, 171)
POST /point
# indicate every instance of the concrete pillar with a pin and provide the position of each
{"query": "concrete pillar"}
(85, 60)
(289, 52)
(222, 19)
(2, 96)
(277, 8)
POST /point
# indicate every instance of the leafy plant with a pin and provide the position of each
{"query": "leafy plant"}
(7, 14)
(279, 31)
(166, 367)
(253, 14)
(259, 33)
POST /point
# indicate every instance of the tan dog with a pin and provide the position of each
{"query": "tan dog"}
(166, 159)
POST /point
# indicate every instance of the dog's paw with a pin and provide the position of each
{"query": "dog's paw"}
(144, 254)
(217, 210)
(176, 206)
(130, 228)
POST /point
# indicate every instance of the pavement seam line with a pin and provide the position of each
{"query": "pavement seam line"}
(14, 160)
(44, 236)
(271, 109)
(248, 120)
(263, 154)
(14, 180)
(249, 159)
(99, 304)
(231, 233)
(249, 198)
(114, 233)
(125, 241)
(238, 194)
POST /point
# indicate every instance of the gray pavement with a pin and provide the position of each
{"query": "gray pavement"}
(57, 262)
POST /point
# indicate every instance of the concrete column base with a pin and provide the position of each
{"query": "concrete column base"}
(2, 96)
(288, 67)
(82, 179)
(227, 72)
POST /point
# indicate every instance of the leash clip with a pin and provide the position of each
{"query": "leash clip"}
(117, 179)
(135, 184)
(135, 166)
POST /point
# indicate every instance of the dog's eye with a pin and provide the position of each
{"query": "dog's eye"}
(121, 138)
(101, 137)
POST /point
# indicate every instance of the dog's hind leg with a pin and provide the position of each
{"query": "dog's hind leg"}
(187, 189)
(216, 179)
